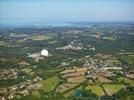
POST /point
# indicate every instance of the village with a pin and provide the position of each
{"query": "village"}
(99, 69)
(67, 63)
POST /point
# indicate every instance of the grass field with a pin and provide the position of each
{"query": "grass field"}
(49, 72)
(96, 36)
(103, 80)
(2, 43)
(40, 37)
(36, 94)
(126, 80)
(50, 83)
(125, 53)
(72, 92)
(112, 88)
(33, 96)
(128, 58)
(95, 89)
(108, 38)
(52, 42)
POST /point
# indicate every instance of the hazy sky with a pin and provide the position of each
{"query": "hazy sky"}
(66, 10)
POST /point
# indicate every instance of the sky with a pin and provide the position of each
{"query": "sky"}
(66, 10)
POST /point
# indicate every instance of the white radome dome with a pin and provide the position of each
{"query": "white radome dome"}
(44, 52)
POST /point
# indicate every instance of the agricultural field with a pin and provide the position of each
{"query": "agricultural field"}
(127, 58)
(126, 80)
(52, 42)
(66, 87)
(72, 92)
(112, 88)
(108, 38)
(50, 83)
(95, 89)
(95, 36)
(2, 43)
(26, 70)
(79, 79)
(103, 80)
(33, 96)
(49, 72)
(40, 37)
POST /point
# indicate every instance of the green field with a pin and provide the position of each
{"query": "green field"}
(112, 88)
(96, 36)
(36, 94)
(69, 93)
(72, 92)
(126, 80)
(50, 83)
(128, 58)
(40, 37)
(33, 96)
(52, 42)
(49, 72)
(95, 89)
(108, 38)
(2, 43)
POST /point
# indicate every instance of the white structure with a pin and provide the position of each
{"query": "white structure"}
(113, 68)
(44, 52)
(34, 55)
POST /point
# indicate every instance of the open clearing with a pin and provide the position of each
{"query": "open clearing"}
(65, 87)
(50, 83)
(95, 89)
(126, 80)
(112, 88)
(52, 42)
(108, 38)
(103, 80)
(72, 92)
(40, 37)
